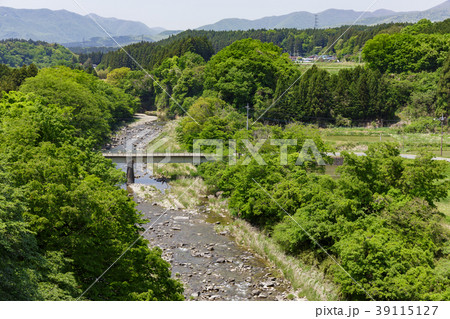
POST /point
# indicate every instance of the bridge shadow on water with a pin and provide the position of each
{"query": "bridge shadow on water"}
(144, 177)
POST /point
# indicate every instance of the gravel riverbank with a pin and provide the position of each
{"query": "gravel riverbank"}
(209, 262)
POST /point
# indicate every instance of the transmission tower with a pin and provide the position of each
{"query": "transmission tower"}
(316, 21)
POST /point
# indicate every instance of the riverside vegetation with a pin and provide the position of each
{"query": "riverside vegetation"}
(63, 218)
(386, 90)
(379, 219)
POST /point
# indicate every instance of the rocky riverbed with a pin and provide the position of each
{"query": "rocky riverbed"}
(207, 260)
(210, 264)
(136, 136)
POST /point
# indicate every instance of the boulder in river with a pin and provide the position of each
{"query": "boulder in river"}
(256, 292)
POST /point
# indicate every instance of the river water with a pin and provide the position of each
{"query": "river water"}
(209, 263)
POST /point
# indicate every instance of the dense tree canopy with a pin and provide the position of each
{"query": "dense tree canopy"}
(206, 43)
(247, 72)
(151, 54)
(61, 201)
(96, 107)
(11, 79)
(17, 53)
(299, 42)
(403, 52)
(359, 95)
(24, 272)
(255, 72)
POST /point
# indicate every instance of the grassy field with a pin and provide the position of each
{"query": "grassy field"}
(332, 67)
(359, 139)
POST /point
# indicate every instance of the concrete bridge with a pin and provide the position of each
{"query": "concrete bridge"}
(156, 158)
(191, 158)
(161, 158)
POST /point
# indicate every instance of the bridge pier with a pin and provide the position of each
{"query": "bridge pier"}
(130, 172)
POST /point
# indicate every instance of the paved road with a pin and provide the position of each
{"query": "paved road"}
(407, 156)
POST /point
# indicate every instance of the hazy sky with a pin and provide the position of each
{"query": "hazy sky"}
(182, 14)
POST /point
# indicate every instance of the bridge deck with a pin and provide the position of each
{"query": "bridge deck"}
(186, 158)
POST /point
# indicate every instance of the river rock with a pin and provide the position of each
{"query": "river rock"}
(256, 292)
(215, 297)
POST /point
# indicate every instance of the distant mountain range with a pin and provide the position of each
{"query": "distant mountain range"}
(330, 18)
(75, 30)
(67, 27)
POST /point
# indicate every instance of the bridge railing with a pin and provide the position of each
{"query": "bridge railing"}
(124, 154)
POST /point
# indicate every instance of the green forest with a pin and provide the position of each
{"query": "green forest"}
(386, 89)
(62, 216)
(293, 41)
(379, 218)
(17, 53)
(64, 219)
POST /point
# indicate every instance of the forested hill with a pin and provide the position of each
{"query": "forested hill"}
(64, 26)
(299, 42)
(16, 53)
(343, 42)
(257, 72)
(149, 54)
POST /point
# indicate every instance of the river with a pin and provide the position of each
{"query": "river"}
(209, 263)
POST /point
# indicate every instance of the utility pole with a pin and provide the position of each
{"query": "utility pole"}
(442, 134)
(248, 109)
